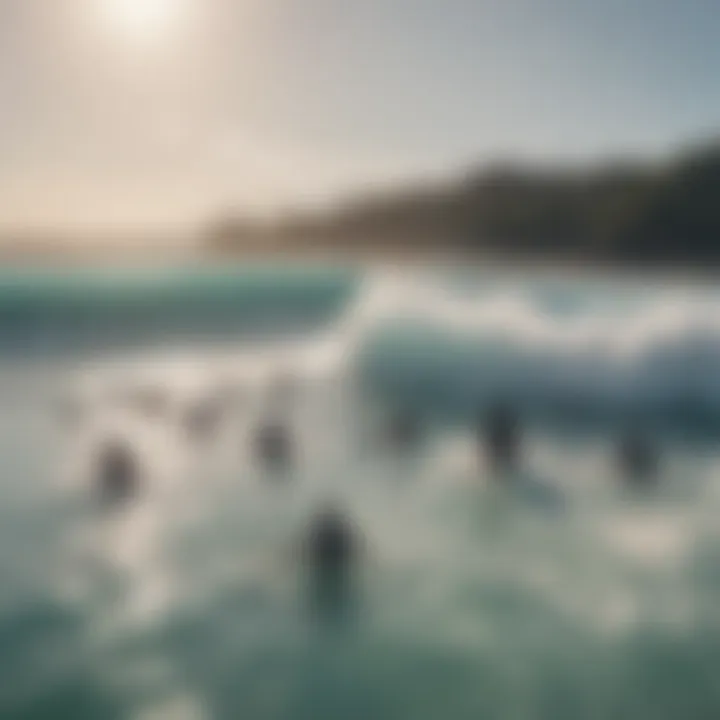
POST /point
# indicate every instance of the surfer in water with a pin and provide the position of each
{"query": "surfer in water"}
(274, 446)
(404, 430)
(637, 459)
(117, 475)
(331, 550)
(500, 436)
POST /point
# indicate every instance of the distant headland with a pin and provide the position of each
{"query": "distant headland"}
(631, 213)
(624, 212)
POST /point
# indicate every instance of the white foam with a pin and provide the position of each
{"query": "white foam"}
(660, 346)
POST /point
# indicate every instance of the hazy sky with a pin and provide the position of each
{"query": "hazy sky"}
(133, 112)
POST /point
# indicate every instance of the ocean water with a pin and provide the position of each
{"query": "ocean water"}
(556, 594)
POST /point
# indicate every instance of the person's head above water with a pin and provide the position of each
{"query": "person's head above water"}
(332, 551)
(404, 428)
(332, 541)
(501, 413)
(500, 433)
(117, 473)
(273, 443)
(637, 457)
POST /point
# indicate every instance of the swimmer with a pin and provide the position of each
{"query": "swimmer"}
(332, 551)
(118, 474)
(637, 459)
(501, 436)
(273, 444)
(404, 430)
(331, 546)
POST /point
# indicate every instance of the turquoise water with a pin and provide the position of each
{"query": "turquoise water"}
(473, 599)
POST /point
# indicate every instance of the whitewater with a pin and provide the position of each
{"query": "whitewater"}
(473, 599)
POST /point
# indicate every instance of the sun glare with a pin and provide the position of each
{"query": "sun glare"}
(143, 19)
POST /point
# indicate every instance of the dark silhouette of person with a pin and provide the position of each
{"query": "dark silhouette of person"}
(118, 474)
(332, 551)
(273, 445)
(637, 459)
(404, 430)
(331, 546)
(501, 436)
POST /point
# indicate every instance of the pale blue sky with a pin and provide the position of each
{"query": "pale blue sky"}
(262, 104)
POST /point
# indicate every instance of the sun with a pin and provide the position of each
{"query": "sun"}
(143, 19)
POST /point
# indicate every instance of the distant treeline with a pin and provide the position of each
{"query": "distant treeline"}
(627, 212)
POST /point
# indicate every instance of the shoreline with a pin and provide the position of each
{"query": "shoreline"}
(183, 258)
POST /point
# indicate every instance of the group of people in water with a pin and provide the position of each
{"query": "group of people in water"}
(118, 468)
(637, 457)
(498, 430)
(500, 437)
(331, 543)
